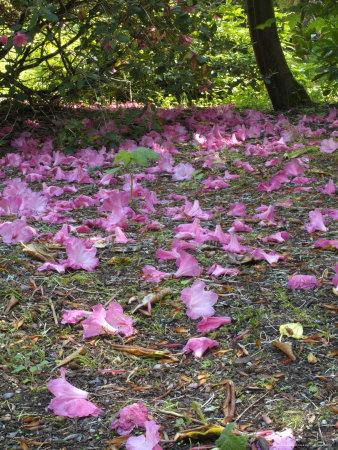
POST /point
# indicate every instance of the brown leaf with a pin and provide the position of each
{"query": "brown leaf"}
(180, 330)
(18, 324)
(37, 252)
(150, 299)
(12, 302)
(285, 348)
(141, 351)
(333, 353)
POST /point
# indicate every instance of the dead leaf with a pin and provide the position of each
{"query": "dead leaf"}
(333, 353)
(285, 348)
(12, 302)
(180, 330)
(199, 432)
(141, 351)
(150, 299)
(18, 324)
(37, 252)
(294, 330)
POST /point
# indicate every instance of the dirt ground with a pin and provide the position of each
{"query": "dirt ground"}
(181, 392)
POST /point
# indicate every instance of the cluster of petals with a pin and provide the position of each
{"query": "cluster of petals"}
(112, 321)
(16, 231)
(131, 416)
(69, 400)
(302, 282)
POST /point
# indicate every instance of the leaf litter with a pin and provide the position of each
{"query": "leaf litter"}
(245, 174)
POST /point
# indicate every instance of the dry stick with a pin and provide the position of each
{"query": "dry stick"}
(250, 406)
(53, 311)
(173, 413)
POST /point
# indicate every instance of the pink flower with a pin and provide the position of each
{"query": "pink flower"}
(199, 346)
(70, 401)
(74, 315)
(81, 255)
(20, 39)
(14, 232)
(216, 270)
(4, 39)
(237, 209)
(198, 301)
(153, 275)
(130, 417)
(187, 265)
(183, 171)
(266, 215)
(186, 39)
(219, 235)
(329, 188)
(112, 321)
(302, 282)
(328, 146)
(149, 441)
(211, 323)
(316, 222)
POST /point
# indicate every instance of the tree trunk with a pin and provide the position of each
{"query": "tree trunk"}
(284, 91)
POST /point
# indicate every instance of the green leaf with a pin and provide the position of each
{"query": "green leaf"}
(266, 24)
(229, 441)
(124, 157)
(142, 155)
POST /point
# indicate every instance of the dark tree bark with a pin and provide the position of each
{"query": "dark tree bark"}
(284, 91)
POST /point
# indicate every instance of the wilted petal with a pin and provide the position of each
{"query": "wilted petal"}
(302, 282)
(74, 315)
(153, 275)
(149, 441)
(211, 323)
(187, 265)
(199, 346)
(316, 222)
(130, 417)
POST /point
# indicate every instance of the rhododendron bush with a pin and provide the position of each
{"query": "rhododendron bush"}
(161, 292)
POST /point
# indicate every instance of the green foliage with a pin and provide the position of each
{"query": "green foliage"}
(229, 441)
(138, 157)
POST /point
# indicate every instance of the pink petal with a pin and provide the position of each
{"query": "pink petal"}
(74, 315)
(211, 323)
(199, 346)
(130, 417)
(81, 255)
(302, 282)
(152, 275)
(217, 270)
(187, 265)
(198, 301)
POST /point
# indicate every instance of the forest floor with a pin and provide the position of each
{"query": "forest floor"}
(272, 391)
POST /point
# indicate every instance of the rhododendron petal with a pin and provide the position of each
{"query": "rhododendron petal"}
(302, 282)
(16, 231)
(153, 275)
(237, 209)
(130, 417)
(198, 301)
(70, 401)
(149, 441)
(80, 255)
(316, 222)
(281, 440)
(52, 265)
(74, 315)
(187, 266)
(216, 270)
(211, 323)
(199, 346)
(112, 321)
